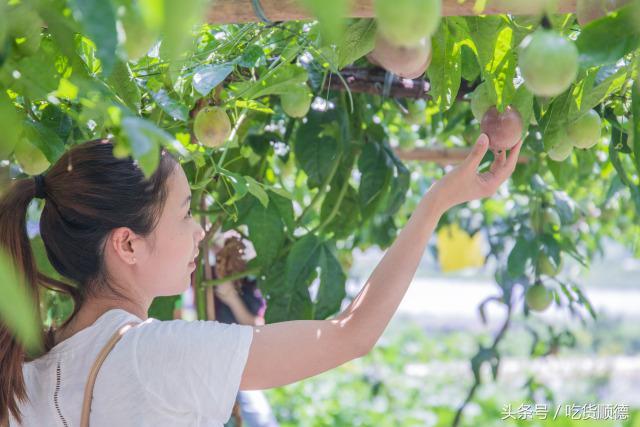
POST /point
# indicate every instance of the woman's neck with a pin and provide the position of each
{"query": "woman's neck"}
(92, 309)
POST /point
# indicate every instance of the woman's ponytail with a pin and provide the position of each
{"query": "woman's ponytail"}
(15, 244)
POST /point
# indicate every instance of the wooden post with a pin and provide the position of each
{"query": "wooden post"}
(237, 11)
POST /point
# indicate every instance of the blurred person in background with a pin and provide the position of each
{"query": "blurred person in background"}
(240, 301)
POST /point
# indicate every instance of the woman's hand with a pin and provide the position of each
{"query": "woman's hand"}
(226, 292)
(464, 183)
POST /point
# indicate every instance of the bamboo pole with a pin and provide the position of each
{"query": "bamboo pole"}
(237, 11)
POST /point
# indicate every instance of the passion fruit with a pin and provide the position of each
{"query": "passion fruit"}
(503, 129)
(406, 62)
(560, 152)
(548, 62)
(297, 103)
(585, 131)
(538, 297)
(548, 267)
(407, 22)
(212, 126)
(31, 159)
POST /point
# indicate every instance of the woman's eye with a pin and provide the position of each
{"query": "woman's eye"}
(189, 213)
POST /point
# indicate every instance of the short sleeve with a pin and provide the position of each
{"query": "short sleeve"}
(193, 366)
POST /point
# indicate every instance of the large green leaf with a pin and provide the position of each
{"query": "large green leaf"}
(121, 80)
(316, 148)
(445, 69)
(278, 81)
(208, 76)
(145, 139)
(375, 168)
(98, 21)
(17, 307)
(359, 40)
(307, 255)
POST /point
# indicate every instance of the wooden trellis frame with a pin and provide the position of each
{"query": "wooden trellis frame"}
(238, 11)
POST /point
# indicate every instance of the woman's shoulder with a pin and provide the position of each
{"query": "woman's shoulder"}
(155, 333)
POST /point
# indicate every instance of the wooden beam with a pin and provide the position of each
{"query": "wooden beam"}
(371, 80)
(441, 155)
(237, 11)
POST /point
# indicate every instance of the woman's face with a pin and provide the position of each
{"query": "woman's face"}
(163, 261)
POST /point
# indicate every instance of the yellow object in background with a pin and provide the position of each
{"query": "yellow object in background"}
(457, 249)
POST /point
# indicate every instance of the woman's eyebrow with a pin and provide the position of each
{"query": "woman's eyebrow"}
(186, 200)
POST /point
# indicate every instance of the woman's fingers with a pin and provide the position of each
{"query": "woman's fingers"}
(498, 161)
(509, 164)
(477, 153)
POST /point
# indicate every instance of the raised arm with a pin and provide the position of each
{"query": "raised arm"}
(285, 352)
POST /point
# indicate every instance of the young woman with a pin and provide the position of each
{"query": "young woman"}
(124, 240)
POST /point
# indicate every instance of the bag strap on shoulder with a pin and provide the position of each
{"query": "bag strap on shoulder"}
(88, 390)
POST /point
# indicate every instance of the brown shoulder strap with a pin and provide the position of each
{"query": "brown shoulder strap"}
(88, 390)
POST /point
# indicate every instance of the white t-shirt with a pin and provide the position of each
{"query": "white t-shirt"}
(160, 373)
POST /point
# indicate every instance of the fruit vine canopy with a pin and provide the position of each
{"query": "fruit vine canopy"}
(299, 125)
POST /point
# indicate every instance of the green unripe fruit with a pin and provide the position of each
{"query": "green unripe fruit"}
(585, 131)
(548, 62)
(31, 159)
(560, 152)
(551, 219)
(548, 267)
(296, 103)
(407, 22)
(212, 126)
(538, 297)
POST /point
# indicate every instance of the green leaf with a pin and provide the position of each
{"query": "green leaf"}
(98, 21)
(523, 251)
(331, 290)
(316, 148)
(17, 304)
(445, 69)
(523, 102)
(145, 139)
(45, 139)
(170, 105)
(11, 125)
(208, 76)
(376, 170)
(635, 122)
(121, 80)
(608, 39)
(358, 41)
(278, 81)
(282, 200)
(238, 182)
(348, 215)
(162, 308)
(255, 188)
(266, 229)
